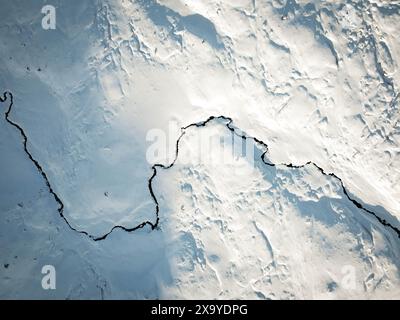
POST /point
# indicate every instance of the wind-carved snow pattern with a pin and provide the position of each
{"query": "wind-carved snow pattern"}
(154, 225)
(317, 80)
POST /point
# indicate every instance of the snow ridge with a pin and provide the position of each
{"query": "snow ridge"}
(154, 167)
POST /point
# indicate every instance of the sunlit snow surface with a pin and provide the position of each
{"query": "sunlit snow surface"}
(315, 80)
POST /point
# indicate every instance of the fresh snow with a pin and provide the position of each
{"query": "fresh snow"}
(317, 81)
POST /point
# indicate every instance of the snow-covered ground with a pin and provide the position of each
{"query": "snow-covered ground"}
(317, 81)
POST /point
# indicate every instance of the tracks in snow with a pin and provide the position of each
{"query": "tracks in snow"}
(154, 225)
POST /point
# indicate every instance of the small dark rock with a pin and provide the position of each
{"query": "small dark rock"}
(332, 286)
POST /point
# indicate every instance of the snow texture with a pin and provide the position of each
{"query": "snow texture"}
(312, 85)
